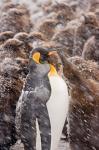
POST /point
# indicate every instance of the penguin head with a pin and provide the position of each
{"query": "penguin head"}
(55, 62)
(40, 62)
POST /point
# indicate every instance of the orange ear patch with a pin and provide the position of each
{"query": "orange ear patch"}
(36, 57)
(52, 53)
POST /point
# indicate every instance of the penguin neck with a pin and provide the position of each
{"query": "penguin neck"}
(33, 80)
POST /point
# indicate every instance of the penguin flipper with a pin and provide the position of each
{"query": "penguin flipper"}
(26, 124)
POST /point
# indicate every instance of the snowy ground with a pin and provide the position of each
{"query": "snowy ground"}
(62, 146)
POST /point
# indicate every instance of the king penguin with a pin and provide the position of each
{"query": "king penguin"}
(43, 105)
(57, 104)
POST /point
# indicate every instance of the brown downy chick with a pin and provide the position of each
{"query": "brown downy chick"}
(62, 13)
(89, 26)
(91, 48)
(12, 48)
(48, 28)
(65, 40)
(10, 90)
(12, 75)
(27, 46)
(78, 41)
(63, 8)
(15, 20)
(84, 31)
(17, 51)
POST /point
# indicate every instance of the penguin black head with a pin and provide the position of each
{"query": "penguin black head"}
(39, 61)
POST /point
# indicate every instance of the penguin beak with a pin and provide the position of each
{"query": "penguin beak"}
(36, 57)
(52, 67)
(52, 71)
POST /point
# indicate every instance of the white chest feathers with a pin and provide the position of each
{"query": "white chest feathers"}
(58, 108)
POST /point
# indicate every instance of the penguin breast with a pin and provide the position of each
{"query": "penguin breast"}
(58, 108)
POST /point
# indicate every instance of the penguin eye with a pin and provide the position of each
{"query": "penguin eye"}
(42, 62)
(43, 59)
